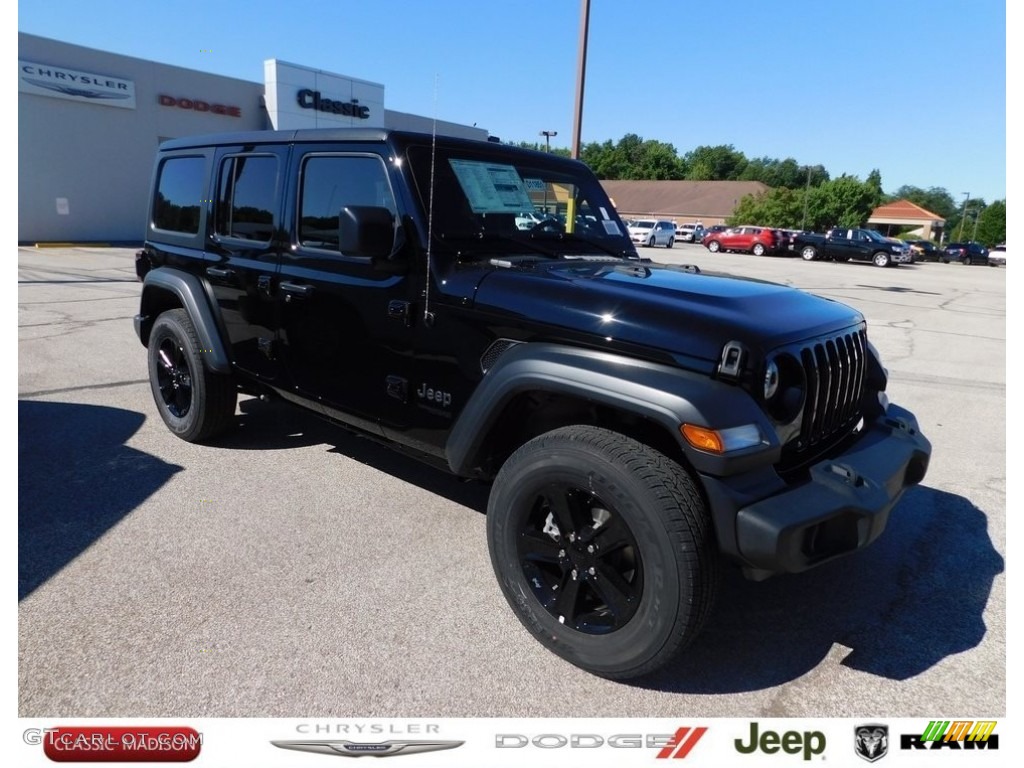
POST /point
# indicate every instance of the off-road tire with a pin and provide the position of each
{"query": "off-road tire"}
(195, 403)
(672, 565)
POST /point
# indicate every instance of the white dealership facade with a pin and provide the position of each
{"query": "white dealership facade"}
(89, 123)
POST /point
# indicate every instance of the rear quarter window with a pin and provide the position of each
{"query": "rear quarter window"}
(179, 194)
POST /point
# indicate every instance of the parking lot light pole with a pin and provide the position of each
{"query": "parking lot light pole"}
(963, 215)
(547, 139)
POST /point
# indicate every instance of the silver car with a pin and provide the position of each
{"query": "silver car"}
(650, 232)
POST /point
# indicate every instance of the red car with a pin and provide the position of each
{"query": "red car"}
(755, 240)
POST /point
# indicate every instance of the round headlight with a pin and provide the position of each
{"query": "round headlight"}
(771, 380)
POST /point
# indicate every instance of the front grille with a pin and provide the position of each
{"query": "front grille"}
(834, 370)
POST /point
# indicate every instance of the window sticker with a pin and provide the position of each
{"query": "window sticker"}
(535, 185)
(491, 187)
(611, 228)
(604, 213)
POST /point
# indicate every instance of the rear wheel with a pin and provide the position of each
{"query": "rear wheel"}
(603, 549)
(714, 246)
(809, 253)
(196, 404)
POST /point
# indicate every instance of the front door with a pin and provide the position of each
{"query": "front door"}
(345, 325)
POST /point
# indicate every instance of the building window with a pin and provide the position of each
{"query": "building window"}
(179, 195)
(246, 199)
(330, 183)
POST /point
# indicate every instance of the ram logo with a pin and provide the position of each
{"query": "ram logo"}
(871, 742)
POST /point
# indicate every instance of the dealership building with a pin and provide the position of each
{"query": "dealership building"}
(89, 123)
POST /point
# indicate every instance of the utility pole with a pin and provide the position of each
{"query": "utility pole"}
(807, 194)
(977, 215)
(963, 215)
(547, 139)
(581, 72)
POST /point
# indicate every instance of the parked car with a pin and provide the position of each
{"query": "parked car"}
(966, 253)
(650, 232)
(923, 250)
(755, 240)
(530, 219)
(688, 233)
(997, 256)
(845, 244)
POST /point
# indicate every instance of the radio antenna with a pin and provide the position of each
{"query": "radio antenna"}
(428, 316)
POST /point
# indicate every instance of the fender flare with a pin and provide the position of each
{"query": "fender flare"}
(192, 295)
(663, 394)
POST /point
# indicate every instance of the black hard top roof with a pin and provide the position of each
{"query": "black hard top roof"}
(365, 135)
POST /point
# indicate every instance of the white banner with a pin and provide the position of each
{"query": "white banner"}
(64, 83)
(499, 742)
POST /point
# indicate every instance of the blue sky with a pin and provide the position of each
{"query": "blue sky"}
(915, 88)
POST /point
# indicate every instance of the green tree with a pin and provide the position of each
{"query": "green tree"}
(843, 202)
(992, 224)
(721, 163)
(633, 158)
(779, 207)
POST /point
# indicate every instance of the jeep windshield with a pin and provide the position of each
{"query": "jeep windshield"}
(491, 201)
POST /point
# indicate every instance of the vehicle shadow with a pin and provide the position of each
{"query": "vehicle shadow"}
(277, 425)
(76, 480)
(914, 597)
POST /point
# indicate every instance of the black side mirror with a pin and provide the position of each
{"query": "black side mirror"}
(367, 231)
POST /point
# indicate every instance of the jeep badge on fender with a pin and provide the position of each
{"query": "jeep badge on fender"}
(482, 307)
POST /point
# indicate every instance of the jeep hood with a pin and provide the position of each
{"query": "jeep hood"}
(683, 314)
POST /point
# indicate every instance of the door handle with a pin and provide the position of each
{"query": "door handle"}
(222, 272)
(294, 289)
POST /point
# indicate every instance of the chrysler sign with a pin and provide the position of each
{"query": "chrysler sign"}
(64, 83)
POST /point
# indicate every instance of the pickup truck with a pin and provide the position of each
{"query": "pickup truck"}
(845, 244)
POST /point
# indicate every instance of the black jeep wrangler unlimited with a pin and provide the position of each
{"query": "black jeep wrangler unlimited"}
(640, 423)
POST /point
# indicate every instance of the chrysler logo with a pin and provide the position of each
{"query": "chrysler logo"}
(357, 749)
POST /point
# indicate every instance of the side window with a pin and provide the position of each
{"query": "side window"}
(246, 197)
(328, 184)
(179, 193)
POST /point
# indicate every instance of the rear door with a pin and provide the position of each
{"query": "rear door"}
(243, 250)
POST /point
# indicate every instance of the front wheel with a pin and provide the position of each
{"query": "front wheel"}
(881, 259)
(671, 242)
(603, 548)
(809, 253)
(714, 246)
(196, 404)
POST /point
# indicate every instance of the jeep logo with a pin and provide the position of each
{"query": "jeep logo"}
(431, 395)
(807, 743)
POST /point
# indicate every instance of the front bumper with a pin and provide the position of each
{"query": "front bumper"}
(843, 507)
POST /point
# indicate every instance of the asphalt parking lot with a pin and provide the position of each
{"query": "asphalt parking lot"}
(295, 570)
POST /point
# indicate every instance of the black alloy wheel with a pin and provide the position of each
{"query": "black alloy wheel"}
(580, 559)
(603, 548)
(195, 402)
(174, 377)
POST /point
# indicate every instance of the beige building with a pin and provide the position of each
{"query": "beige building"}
(684, 202)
